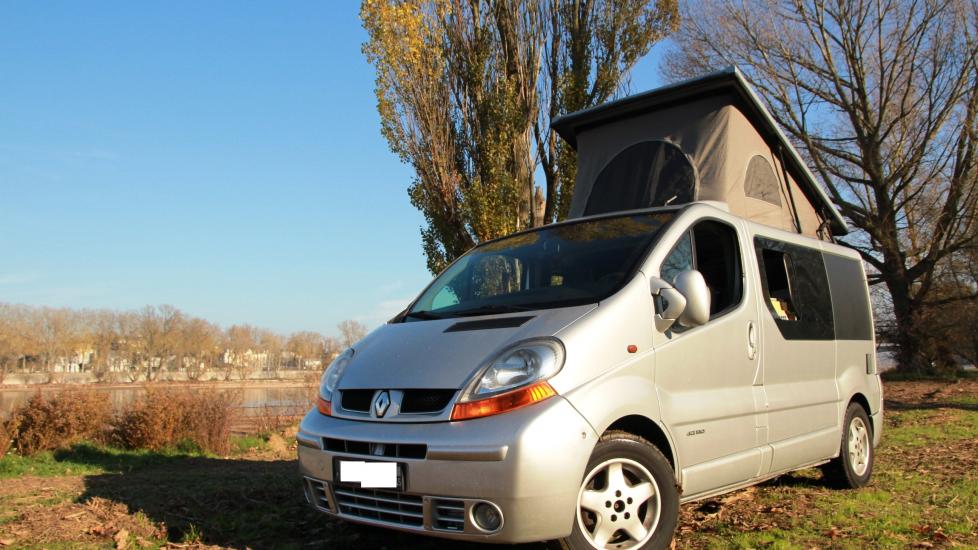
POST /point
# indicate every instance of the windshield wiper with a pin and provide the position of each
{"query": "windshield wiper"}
(489, 310)
(422, 314)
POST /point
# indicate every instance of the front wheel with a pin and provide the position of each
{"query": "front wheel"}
(628, 498)
(854, 465)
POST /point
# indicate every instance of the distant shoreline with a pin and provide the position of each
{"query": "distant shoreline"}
(225, 384)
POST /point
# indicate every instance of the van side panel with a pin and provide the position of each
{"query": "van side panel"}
(855, 347)
(799, 353)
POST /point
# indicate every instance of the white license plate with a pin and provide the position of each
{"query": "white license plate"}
(371, 475)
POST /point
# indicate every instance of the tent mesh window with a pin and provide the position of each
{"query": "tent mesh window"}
(650, 173)
(761, 183)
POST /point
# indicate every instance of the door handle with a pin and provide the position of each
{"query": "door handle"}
(751, 340)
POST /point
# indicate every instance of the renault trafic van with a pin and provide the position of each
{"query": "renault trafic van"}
(579, 381)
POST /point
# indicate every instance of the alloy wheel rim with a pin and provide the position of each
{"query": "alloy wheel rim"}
(619, 505)
(859, 446)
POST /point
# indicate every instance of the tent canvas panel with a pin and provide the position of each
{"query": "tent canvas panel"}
(719, 142)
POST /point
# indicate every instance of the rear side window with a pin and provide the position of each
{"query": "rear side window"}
(850, 298)
(796, 289)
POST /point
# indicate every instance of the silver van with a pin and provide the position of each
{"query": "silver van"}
(581, 380)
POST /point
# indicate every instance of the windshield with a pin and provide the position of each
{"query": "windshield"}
(557, 266)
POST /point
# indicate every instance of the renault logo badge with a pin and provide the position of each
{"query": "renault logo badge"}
(381, 403)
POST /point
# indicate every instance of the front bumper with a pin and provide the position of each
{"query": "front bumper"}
(528, 462)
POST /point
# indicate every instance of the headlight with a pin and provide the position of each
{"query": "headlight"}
(331, 377)
(517, 377)
(521, 365)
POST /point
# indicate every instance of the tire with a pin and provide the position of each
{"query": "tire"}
(854, 465)
(630, 483)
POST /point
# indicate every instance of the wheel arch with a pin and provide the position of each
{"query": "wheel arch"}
(863, 402)
(649, 430)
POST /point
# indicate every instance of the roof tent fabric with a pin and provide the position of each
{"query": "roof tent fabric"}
(705, 139)
(648, 173)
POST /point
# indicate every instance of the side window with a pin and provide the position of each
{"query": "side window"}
(796, 289)
(778, 295)
(679, 260)
(711, 248)
(446, 297)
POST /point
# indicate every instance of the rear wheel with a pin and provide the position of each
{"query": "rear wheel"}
(628, 498)
(854, 465)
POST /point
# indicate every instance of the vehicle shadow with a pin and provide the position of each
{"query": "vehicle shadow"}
(802, 479)
(928, 405)
(235, 503)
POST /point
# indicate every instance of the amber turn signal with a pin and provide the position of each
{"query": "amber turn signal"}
(504, 402)
(324, 407)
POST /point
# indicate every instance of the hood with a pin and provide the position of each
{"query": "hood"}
(444, 353)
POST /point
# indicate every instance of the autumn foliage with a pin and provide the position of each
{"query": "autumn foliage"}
(46, 423)
(160, 419)
(171, 418)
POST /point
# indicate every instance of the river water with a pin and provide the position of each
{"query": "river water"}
(255, 398)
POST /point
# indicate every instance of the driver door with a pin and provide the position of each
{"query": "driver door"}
(705, 376)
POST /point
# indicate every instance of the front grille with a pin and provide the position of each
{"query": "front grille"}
(447, 514)
(389, 506)
(412, 402)
(357, 400)
(426, 401)
(375, 449)
(317, 490)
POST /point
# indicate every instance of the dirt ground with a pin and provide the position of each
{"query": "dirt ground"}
(924, 495)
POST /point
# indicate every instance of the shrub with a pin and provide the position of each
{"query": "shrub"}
(8, 428)
(169, 418)
(59, 421)
(272, 418)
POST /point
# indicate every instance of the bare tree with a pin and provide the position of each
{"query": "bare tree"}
(881, 96)
(351, 332)
(198, 342)
(10, 347)
(303, 346)
(130, 346)
(241, 343)
(331, 348)
(153, 341)
(102, 328)
(271, 345)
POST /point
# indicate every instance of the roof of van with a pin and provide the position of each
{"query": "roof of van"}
(727, 81)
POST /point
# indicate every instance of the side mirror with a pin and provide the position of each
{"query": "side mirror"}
(692, 286)
(686, 303)
(669, 304)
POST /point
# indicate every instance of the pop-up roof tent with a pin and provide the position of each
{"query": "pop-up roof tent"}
(704, 139)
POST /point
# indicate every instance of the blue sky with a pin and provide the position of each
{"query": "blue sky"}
(222, 157)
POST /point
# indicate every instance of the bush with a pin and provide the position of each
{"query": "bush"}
(59, 421)
(167, 418)
(7, 430)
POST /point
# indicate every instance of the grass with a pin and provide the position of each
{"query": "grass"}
(246, 443)
(91, 458)
(924, 494)
(88, 459)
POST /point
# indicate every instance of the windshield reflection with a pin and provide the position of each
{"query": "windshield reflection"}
(555, 266)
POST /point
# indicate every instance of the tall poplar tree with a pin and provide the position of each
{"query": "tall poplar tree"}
(466, 91)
